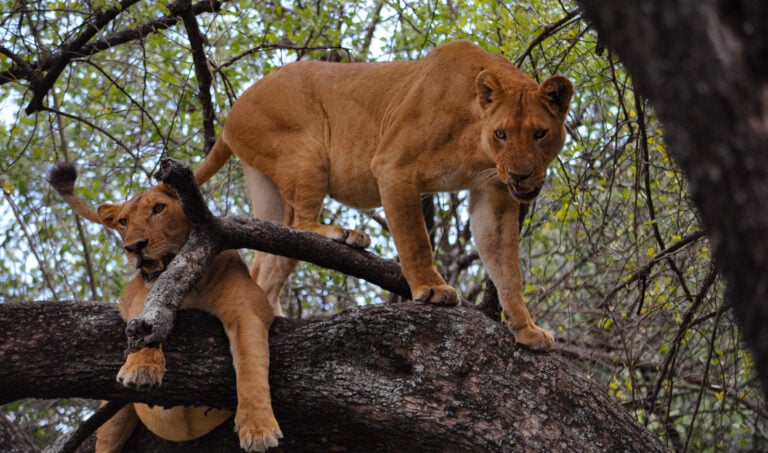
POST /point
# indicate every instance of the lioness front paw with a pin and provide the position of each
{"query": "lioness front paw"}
(144, 368)
(257, 433)
(534, 337)
(439, 295)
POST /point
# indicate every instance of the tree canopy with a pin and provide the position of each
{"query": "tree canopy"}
(614, 254)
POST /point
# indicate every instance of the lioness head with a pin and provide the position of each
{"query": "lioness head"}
(153, 227)
(152, 224)
(523, 128)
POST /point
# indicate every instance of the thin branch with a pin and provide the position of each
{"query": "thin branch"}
(23, 67)
(32, 72)
(78, 222)
(68, 443)
(70, 50)
(278, 46)
(643, 271)
(646, 170)
(548, 31)
(204, 79)
(676, 343)
(134, 101)
(704, 380)
(41, 264)
(371, 29)
(118, 142)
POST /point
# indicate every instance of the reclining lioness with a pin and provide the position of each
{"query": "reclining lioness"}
(371, 134)
(153, 228)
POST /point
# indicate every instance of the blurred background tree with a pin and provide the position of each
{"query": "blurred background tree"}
(615, 261)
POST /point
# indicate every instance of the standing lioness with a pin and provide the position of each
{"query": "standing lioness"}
(371, 134)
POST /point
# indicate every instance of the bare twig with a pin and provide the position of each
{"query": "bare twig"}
(662, 255)
(548, 31)
(78, 222)
(646, 170)
(31, 242)
(68, 443)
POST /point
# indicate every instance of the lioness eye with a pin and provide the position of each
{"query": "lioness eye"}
(500, 135)
(158, 208)
(539, 133)
(122, 222)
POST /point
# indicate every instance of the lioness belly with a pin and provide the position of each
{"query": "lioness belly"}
(180, 423)
(356, 189)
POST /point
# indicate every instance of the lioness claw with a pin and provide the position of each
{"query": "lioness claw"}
(443, 295)
(259, 438)
(534, 338)
(140, 376)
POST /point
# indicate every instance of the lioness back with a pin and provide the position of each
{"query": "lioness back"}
(339, 115)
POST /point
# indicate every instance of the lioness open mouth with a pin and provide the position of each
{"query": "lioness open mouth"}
(524, 193)
(151, 269)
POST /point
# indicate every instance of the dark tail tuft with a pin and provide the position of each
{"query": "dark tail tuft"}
(62, 177)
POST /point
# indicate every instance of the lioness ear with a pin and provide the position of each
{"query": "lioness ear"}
(487, 87)
(108, 214)
(168, 190)
(557, 92)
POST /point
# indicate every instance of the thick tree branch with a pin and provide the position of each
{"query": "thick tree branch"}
(399, 377)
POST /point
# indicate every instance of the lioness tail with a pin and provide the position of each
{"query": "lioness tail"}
(216, 158)
(62, 177)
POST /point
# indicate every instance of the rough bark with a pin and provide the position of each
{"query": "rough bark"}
(703, 64)
(380, 378)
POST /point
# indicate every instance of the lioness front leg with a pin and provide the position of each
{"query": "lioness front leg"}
(245, 313)
(495, 227)
(402, 207)
(143, 368)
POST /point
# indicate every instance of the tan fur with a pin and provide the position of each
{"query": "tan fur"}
(371, 134)
(227, 291)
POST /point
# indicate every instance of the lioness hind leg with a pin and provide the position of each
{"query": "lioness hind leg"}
(353, 238)
(112, 435)
(300, 211)
(269, 271)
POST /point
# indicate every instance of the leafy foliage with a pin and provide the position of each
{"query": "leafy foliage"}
(616, 262)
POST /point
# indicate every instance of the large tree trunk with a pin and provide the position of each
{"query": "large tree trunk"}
(703, 64)
(386, 377)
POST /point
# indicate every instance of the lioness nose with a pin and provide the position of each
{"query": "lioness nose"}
(518, 178)
(136, 247)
